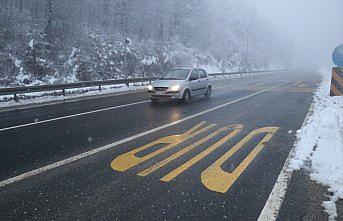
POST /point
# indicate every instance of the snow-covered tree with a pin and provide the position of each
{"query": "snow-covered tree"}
(46, 35)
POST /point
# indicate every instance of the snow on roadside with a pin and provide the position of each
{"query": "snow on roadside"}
(43, 97)
(320, 142)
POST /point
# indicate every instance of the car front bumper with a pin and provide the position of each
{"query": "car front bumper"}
(164, 95)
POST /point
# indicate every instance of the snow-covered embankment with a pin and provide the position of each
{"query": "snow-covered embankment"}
(320, 145)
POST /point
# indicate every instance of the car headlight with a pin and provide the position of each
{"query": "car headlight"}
(150, 88)
(175, 88)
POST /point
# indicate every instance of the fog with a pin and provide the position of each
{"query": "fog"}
(58, 41)
(61, 41)
(313, 27)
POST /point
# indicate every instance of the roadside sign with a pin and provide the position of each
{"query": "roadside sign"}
(337, 82)
(337, 56)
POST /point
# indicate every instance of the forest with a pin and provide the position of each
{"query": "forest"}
(60, 41)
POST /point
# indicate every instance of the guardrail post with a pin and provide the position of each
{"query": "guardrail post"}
(16, 99)
(100, 88)
(64, 92)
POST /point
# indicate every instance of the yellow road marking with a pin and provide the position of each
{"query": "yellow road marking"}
(129, 160)
(236, 129)
(300, 84)
(216, 179)
(181, 152)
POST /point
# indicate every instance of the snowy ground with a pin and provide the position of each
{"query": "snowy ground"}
(320, 145)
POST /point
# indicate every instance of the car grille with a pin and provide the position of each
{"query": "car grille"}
(160, 88)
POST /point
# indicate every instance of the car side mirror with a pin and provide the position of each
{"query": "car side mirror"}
(192, 79)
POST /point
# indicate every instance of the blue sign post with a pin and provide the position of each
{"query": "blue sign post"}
(337, 56)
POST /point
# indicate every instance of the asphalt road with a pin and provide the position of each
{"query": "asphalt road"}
(215, 159)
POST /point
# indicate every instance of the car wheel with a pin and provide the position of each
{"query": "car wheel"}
(186, 98)
(208, 92)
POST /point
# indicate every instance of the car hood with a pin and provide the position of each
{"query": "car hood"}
(166, 83)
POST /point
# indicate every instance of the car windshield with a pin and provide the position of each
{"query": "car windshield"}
(176, 74)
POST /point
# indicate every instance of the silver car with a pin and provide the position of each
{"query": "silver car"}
(181, 84)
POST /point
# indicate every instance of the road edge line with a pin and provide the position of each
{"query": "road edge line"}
(66, 100)
(112, 145)
(72, 115)
(271, 209)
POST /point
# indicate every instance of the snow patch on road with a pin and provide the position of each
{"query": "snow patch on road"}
(319, 147)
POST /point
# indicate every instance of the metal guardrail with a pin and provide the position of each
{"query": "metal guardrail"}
(246, 73)
(63, 87)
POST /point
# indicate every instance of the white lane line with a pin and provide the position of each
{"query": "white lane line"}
(91, 112)
(73, 115)
(227, 86)
(112, 145)
(272, 207)
(264, 83)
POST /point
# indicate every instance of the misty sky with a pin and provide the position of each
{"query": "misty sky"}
(314, 26)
